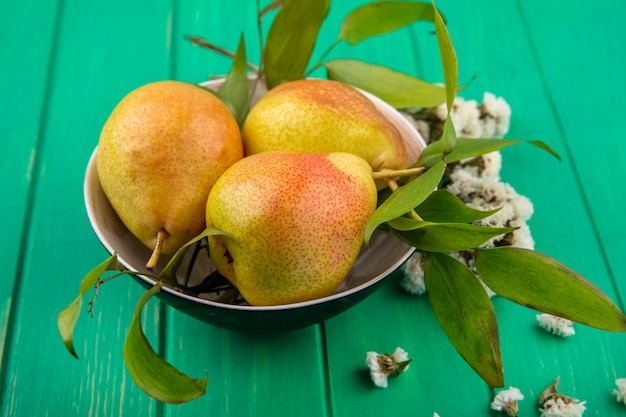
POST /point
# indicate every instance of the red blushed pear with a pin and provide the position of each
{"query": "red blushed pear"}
(315, 115)
(296, 219)
(160, 152)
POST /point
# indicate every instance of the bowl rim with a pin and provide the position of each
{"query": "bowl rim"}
(91, 210)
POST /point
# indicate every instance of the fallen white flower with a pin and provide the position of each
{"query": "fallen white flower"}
(620, 393)
(560, 406)
(383, 366)
(556, 325)
(506, 400)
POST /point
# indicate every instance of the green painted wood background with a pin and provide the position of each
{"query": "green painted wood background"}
(65, 63)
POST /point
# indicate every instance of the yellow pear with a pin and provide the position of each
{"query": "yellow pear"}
(316, 115)
(160, 152)
(295, 222)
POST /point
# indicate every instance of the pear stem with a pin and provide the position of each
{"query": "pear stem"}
(391, 173)
(152, 262)
(393, 186)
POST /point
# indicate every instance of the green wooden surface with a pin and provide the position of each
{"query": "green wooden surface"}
(63, 66)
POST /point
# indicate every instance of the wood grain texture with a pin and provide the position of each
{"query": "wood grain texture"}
(557, 64)
(20, 124)
(100, 55)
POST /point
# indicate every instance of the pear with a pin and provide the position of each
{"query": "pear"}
(160, 152)
(316, 115)
(295, 223)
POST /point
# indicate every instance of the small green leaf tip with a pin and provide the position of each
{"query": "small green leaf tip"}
(378, 18)
(156, 377)
(287, 56)
(66, 319)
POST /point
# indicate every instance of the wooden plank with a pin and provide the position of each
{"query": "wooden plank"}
(297, 356)
(280, 374)
(587, 85)
(490, 40)
(265, 375)
(20, 124)
(102, 53)
(392, 318)
(437, 380)
(573, 62)
(562, 226)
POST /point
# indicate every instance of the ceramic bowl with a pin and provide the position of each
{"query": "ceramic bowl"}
(373, 265)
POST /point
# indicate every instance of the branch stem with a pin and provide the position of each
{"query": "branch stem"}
(393, 173)
(320, 62)
(198, 41)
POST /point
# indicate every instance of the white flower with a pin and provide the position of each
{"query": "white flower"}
(562, 406)
(435, 415)
(555, 404)
(441, 111)
(496, 113)
(413, 280)
(620, 393)
(383, 366)
(466, 118)
(556, 325)
(506, 400)
(378, 377)
(489, 193)
(491, 164)
(522, 238)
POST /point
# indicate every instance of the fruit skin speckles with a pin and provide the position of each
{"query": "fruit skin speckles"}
(298, 219)
(315, 115)
(160, 152)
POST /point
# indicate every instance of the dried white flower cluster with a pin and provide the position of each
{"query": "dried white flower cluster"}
(556, 325)
(383, 366)
(555, 404)
(475, 181)
(562, 406)
(470, 119)
(507, 401)
(620, 392)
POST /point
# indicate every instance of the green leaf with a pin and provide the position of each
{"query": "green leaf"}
(443, 206)
(382, 17)
(465, 314)
(471, 148)
(448, 58)
(151, 373)
(404, 199)
(235, 88)
(169, 272)
(291, 40)
(448, 137)
(537, 281)
(396, 88)
(443, 237)
(450, 75)
(66, 319)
